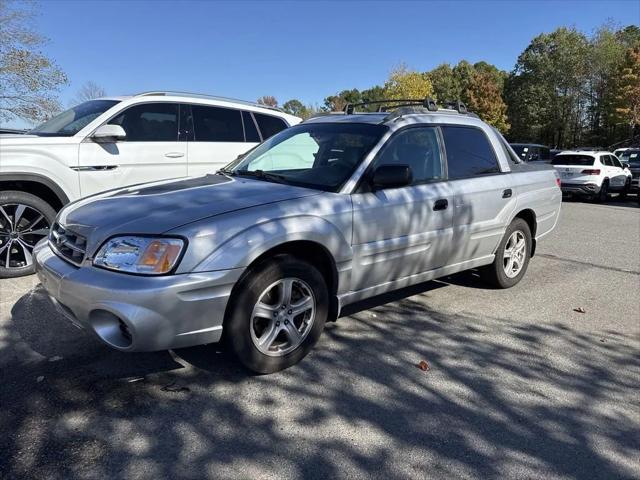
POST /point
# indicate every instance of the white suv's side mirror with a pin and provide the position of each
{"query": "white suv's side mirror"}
(109, 133)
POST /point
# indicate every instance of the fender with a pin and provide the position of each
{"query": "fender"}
(34, 177)
(244, 247)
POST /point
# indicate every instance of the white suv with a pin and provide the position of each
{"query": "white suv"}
(592, 174)
(113, 142)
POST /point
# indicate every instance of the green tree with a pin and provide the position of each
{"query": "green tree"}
(29, 79)
(545, 90)
(294, 107)
(336, 103)
(445, 86)
(407, 84)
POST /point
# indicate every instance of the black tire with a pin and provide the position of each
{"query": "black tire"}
(8, 200)
(603, 194)
(625, 190)
(495, 274)
(238, 322)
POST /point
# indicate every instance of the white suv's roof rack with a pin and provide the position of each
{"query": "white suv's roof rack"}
(207, 97)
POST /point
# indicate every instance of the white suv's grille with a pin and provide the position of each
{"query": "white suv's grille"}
(68, 245)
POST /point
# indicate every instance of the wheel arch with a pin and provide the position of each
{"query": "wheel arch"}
(529, 216)
(37, 185)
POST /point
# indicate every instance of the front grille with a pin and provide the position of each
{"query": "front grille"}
(67, 244)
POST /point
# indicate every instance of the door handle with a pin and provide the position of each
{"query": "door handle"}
(441, 204)
(507, 193)
(174, 154)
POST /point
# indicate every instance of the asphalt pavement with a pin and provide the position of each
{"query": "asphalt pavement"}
(518, 384)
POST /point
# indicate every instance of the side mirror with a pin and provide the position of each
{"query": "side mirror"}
(390, 176)
(625, 165)
(109, 133)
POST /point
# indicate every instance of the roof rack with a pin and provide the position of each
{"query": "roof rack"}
(205, 96)
(427, 103)
(456, 105)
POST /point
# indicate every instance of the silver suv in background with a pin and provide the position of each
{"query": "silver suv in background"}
(337, 209)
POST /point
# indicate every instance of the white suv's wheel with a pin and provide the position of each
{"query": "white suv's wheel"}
(24, 220)
(512, 256)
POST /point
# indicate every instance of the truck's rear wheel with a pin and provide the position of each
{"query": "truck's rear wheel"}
(24, 220)
(512, 256)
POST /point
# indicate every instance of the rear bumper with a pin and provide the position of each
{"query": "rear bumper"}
(135, 313)
(580, 188)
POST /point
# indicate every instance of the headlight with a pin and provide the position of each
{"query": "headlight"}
(142, 255)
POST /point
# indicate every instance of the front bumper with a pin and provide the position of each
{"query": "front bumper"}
(136, 313)
(580, 188)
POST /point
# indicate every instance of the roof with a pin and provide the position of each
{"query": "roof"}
(528, 144)
(398, 117)
(585, 152)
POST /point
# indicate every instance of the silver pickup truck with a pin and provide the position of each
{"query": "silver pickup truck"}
(337, 209)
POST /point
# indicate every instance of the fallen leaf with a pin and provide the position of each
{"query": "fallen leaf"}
(55, 359)
(39, 379)
(424, 366)
(172, 387)
(579, 310)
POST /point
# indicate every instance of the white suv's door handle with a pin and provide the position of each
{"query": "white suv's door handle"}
(174, 154)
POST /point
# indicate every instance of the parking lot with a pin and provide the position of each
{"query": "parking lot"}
(518, 384)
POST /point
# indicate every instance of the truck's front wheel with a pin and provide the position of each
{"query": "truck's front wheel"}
(24, 220)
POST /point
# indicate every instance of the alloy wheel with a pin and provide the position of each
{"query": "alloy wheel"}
(282, 317)
(21, 227)
(515, 254)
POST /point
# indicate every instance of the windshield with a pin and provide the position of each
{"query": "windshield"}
(632, 157)
(70, 122)
(315, 155)
(580, 160)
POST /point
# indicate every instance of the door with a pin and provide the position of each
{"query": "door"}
(483, 197)
(151, 150)
(618, 177)
(398, 232)
(219, 136)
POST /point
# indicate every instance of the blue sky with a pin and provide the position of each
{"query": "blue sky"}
(304, 50)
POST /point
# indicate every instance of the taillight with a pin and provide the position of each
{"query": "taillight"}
(591, 172)
(558, 182)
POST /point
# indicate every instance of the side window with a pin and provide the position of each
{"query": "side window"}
(615, 161)
(605, 160)
(149, 122)
(250, 131)
(419, 149)
(545, 154)
(216, 124)
(469, 152)
(269, 125)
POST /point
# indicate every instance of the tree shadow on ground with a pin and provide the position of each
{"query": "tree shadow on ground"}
(501, 399)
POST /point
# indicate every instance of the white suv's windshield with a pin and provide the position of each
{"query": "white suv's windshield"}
(321, 155)
(70, 122)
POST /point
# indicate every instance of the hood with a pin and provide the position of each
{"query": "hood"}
(17, 140)
(155, 208)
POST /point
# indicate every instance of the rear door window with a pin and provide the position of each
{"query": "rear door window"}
(469, 152)
(615, 161)
(605, 160)
(217, 124)
(269, 125)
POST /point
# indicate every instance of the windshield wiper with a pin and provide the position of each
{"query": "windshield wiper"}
(261, 174)
(226, 173)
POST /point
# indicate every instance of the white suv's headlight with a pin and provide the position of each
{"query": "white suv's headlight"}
(141, 255)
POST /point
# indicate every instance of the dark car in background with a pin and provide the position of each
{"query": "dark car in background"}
(533, 152)
(631, 158)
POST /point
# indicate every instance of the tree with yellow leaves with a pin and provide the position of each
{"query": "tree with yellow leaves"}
(404, 83)
(628, 89)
